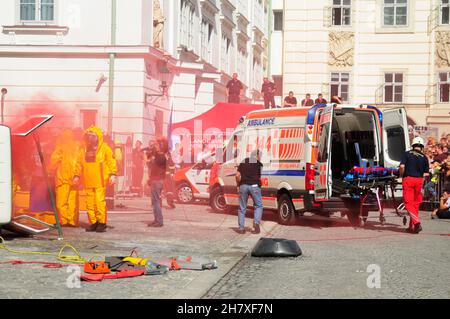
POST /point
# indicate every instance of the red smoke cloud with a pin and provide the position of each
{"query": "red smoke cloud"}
(26, 163)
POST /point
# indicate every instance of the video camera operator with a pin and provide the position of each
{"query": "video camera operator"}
(157, 165)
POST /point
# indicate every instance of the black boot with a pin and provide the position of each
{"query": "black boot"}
(101, 228)
(92, 228)
(256, 229)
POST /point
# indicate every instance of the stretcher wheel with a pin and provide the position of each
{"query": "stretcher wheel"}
(354, 219)
(405, 220)
(382, 220)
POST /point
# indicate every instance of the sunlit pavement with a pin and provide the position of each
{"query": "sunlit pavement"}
(189, 230)
(334, 264)
(342, 262)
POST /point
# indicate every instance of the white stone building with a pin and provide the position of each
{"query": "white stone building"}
(276, 25)
(96, 60)
(383, 52)
(92, 61)
(213, 39)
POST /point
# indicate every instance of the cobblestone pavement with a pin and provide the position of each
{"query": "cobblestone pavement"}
(189, 230)
(335, 263)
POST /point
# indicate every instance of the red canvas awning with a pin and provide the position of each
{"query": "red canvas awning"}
(223, 116)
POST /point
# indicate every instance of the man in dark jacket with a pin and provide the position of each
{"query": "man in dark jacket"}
(320, 99)
(157, 164)
(268, 91)
(413, 167)
(234, 89)
(248, 179)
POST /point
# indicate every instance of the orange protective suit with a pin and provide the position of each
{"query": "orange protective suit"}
(64, 161)
(96, 172)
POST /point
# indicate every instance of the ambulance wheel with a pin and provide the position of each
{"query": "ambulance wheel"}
(217, 201)
(185, 194)
(286, 210)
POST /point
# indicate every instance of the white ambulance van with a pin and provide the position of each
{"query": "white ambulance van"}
(306, 151)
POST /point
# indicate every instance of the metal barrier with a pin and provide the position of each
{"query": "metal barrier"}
(432, 193)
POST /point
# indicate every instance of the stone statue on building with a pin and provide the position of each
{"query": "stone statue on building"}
(158, 25)
(341, 49)
(443, 49)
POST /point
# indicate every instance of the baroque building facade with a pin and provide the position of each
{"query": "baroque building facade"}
(382, 52)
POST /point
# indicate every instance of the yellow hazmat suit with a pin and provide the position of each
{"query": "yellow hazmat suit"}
(96, 165)
(64, 161)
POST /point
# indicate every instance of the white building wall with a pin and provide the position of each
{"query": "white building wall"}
(210, 78)
(70, 81)
(377, 49)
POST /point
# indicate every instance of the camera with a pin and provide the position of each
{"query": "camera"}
(149, 151)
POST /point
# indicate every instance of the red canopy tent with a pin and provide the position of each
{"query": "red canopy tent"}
(223, 116)
(203, 129)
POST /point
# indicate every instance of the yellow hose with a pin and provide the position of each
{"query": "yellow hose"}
(77, 259)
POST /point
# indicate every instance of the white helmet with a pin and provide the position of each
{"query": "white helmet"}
(418, 141)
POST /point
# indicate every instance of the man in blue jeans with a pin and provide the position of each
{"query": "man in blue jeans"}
(157, 164)
(248, 179)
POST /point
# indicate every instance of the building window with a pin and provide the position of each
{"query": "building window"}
(37, 10)
(277, 20)
(257, 73)
(342, 12)
(339, 85)
(395, 13)
(226, 48)
(206, 36)
(445, 12)
(242, 64)
(444, 87)
(187, 28)
(393, 87)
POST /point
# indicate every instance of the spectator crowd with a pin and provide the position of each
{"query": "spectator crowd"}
(235, 89)
(437, 152)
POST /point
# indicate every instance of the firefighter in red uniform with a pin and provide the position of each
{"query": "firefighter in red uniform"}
(413, 167)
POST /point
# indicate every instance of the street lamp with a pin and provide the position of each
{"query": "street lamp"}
(164, 89)
(4, 92)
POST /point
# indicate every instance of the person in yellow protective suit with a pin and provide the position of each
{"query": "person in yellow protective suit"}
(98, 167)
(64, 163)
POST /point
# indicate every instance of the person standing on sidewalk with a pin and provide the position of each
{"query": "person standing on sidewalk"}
(157, 164)
(248, 179)
(413, 167)
(98, 167)
(234, 89)
(268, 91)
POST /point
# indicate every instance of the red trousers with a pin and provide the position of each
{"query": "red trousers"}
(412, 197)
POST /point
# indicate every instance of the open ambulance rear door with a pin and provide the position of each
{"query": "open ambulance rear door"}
(5, 176)
(395, 136)
(323, 177)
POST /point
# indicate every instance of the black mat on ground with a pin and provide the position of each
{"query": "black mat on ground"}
(276, 247)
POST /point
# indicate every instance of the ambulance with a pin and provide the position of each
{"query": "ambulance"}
(192, 182)
(306, 153)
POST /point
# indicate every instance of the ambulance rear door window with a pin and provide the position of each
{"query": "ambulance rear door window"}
(396, 142)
